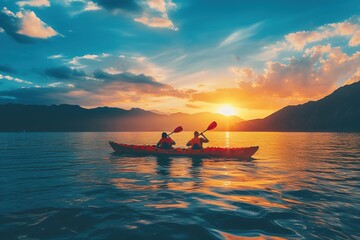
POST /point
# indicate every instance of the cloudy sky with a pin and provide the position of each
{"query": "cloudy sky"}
(171, 55)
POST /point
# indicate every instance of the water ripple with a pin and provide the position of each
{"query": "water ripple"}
(299, 186)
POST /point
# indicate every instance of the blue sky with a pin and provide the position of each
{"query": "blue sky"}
(169, 56)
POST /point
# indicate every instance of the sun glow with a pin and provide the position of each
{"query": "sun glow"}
(227, 110)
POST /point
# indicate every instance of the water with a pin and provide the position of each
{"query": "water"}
(71, 186)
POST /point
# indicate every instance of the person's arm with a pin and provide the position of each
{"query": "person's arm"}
(158, 144)
(189, 143)
(205, 140)
(172, 142)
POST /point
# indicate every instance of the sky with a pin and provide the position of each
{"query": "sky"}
(252, 56)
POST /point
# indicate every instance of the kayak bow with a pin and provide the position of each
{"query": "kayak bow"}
(245, 152)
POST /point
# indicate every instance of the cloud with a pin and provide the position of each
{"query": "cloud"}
(7, 69)
(15, 79)
(117, 63)
(156, 14)
(24, 26)
(56, 56)
(349, 28)
(320, 70)
(127, 77)
(97, 89)
(32, 26)
(156, 22)
(152, 13)
(10, 23)
(34, 3)
(76, 60)
(100, 80)
(123, 5)
(239, 35)
(91, 6)
(159, 5)
(79, 6)
(64, 73)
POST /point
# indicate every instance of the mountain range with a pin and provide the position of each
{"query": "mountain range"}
(73, 118)
(339, 111)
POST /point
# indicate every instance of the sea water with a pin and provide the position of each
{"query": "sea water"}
(72, 186)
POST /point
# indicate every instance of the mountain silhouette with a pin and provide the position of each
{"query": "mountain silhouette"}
(18, 117)
(337, 112)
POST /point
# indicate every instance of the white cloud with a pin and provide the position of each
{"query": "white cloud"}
(76, 60)
(2, 30)
(15, 79)
(91, 6)
(8, 12)
(34, 3)
(239, 35)
(55, 56)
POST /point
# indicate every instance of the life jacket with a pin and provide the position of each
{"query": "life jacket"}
(196, 143)
(165, 143)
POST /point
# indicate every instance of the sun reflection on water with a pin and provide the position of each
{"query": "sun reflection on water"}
(288, 173)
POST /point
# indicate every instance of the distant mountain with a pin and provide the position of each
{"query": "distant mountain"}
(18, 117)
(339, 111)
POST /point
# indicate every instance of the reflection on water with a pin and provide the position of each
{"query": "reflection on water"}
(70, 185)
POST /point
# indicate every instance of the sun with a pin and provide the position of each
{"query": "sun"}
(227, 110)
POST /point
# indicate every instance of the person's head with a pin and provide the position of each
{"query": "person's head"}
(164, 135)
(196, 134)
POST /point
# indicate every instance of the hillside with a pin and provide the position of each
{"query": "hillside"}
(339, 111)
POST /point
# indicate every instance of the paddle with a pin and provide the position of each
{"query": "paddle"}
(176, 130)
(210, 127)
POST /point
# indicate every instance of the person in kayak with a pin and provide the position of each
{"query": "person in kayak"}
(165, 142)
(196, 142)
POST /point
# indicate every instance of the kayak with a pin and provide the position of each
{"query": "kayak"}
(244, 152)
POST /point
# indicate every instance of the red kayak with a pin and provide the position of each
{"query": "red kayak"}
(245, 152)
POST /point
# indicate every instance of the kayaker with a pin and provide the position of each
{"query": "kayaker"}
(197, 142)
(165, 142)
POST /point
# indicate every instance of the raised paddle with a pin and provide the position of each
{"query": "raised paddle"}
(210, 127)
(176, 130)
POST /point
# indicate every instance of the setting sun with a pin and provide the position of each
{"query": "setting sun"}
(227, 110)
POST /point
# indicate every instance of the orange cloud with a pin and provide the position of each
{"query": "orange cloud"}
(159, 5)
(349, 28)
(156, 15)
(32, 26)
(157, 22)
(318, 72)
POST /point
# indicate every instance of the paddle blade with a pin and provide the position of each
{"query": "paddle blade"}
(178, 129)
(212, 126)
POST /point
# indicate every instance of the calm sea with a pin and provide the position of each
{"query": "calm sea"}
(71, 186)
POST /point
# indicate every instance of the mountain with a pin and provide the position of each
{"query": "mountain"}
(337, 112)
(18, 117)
